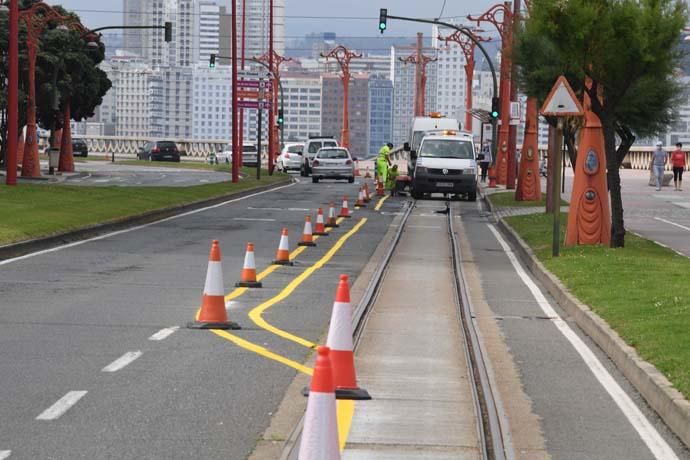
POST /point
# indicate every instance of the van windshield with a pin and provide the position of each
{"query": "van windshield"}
(437, 148)
(248, 148)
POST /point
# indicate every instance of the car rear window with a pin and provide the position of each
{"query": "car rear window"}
(249, 148)
(295, 148)
(333, 154)
(167, 145)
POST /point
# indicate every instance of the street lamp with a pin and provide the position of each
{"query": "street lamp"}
(12, 94)
(344, 56)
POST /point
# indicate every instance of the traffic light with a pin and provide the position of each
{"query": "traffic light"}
(212, 61)
(495, 105)
(383, 17)
(168, 32)
(281, 120)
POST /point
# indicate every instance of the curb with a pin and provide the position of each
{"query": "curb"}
(656, 389)
(25, 247)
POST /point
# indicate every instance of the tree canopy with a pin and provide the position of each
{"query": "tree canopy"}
(627, 48)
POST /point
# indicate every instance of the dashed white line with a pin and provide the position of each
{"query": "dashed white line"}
(5, 454)
(164, 333)
(673, 223)
(61, 406)
(122, 361)
(649, 435)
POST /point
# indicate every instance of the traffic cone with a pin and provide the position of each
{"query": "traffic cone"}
(213, 314)
(380, 191)
(283, 253)
(345, 211)
(357, 174)
(307, 238)
(320, 430)
(248, 277)
(331, 222)
(367, 174)
(340, 342)
(360, 199)
(320, 228)
(367, 198)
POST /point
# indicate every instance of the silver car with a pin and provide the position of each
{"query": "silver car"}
(333, 163)
(290, 157)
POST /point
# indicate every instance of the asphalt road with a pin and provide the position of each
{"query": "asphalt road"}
(78, 328)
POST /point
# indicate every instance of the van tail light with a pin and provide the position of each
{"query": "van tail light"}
(287, 155)
(315, 163)
(155, 150)
(348, 162)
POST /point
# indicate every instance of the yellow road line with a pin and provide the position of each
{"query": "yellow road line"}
(247, 345)
(345, 411)
(380, 203)
(256, 313)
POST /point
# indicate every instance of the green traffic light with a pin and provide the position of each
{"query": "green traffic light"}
(494, 114)
(382, 26)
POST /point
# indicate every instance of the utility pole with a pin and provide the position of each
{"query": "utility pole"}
(12, 95)
(236, 148)
(420, 61)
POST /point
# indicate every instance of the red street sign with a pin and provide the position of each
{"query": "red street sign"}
(248, 94)
(247, 83)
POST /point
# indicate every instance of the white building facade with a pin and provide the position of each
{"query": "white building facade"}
(302, 110)
(257, 26)
(206, 31)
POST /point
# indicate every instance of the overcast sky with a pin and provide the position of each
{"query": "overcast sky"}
(109, 12)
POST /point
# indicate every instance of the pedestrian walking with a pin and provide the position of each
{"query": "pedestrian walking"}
(659, 158)
(485, 160)
(678, 163)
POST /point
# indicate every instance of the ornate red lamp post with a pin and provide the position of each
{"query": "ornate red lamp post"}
(274, 60)
(468, 47)
(501, 16)
(421, 61)
(344, 56)
(12, 94)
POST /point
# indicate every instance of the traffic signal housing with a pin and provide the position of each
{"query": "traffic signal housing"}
(383, 17)
(168, 32)
(212, 61)
(281, 119)
(495, 106)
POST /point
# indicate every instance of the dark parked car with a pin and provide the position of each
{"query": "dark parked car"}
(159, 151)
(79, 148)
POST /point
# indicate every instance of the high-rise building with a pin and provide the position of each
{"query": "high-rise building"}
(403, 77)
(171, 103)
(358, 105)
(206, 31)
(212, 102)
(302, 109)
(451, 79)
(257, 26)
(380, 112)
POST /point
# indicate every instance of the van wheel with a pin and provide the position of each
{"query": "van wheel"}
(351, 180)
(315, 179)
(472, 196)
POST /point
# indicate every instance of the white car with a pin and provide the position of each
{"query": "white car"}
(248, 154)
(290, 157)
(225, 156)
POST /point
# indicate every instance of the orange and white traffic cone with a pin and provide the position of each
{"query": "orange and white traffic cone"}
(283, 253)
(360, 199)
(357, 174)
(212, 314)
(380, 191)
(320, 431)
(367, 198)
(367, 174)
(345, 211)
(320, 228)
(248, 277)
(340, 342)
(331, 222)
(307, 235)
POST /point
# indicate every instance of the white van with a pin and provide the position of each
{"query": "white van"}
(446, 163)
(435, 122)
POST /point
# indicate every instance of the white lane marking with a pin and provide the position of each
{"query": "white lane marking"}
(164, 333)
(5, 454)
(650, 436)
(673, 223)
(139, 227)
(264, 209)
(298, 209)
(61, 406)
(254, 220)
(122, 361)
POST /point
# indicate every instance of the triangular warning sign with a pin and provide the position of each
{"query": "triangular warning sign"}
(561, 101)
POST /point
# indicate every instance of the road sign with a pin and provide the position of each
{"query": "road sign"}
(561, 101)
(254, 104)
(247, 83)
(244, 94)
(253, 74)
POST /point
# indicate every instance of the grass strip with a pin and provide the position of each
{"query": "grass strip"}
(507, 199)
(641, 291)
(222, 167)
(34, 210)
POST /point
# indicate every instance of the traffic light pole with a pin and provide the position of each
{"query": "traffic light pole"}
(468, 33)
